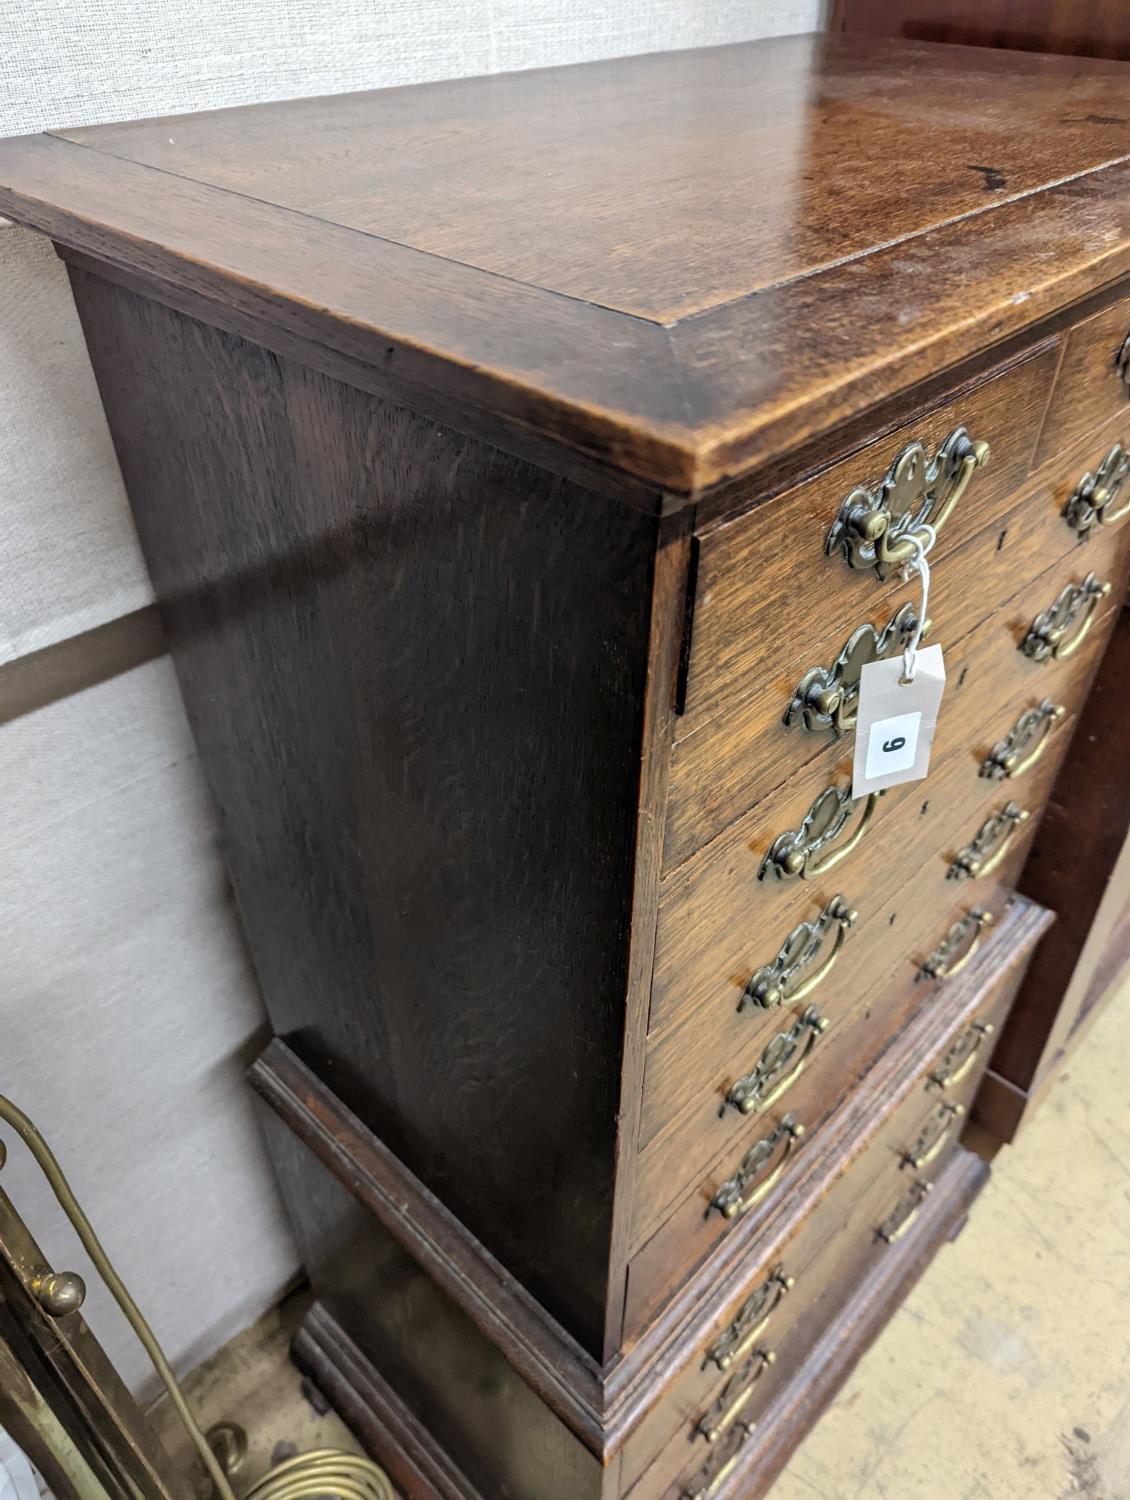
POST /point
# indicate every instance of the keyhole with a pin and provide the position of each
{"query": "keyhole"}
(961, 679)
(925, 808)
(1000, 539)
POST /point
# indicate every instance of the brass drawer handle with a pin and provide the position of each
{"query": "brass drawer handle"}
(904, 1213)
(720, 1465)
(785, 978)
(733, 1396)
(1058, 631)
(827, 697)
(1024, 743)
(779, 1066)
(934, 1134)
(989, 845)
(1122, 362)
(1094, 501)
(875, 525)
(960, 1058)
(807, 851)
(737, 1195)
(963, 939)
(751, 1320)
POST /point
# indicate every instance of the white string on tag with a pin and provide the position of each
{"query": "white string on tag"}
(922, 539)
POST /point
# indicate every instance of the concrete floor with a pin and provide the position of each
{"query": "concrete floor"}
(1005, 1376)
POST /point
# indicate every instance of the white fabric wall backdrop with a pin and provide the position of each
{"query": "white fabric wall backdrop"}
(128, 1006)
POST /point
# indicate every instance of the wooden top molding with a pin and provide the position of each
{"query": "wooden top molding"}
(675, 266)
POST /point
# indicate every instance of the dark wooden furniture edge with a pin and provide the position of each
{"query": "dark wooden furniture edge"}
(674, 432)
(807, 1396)
(546, 1356)
(415, 1462)
(602, 1406)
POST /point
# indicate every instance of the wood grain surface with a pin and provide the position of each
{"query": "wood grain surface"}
(415, 671)
(782, 245)
(1092, 28)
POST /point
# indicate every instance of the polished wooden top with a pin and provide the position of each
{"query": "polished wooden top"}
(675, 264)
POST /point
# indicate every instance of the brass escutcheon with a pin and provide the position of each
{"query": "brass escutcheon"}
(1094, 501)
(904, 1213)
(808, 851)
(1024, 743)
(750, 1321)
(877, 525)
(989, 845)
(1058, 631)
(784, 979)
(731, 1399)
(827, 697)
(720, 1465)
(737, 1195)
(779, 1066)
(962, 1055)
(933, 1135)
(957, 947)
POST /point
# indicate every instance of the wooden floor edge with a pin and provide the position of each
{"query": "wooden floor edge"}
(815, 1385)
(384, 1426)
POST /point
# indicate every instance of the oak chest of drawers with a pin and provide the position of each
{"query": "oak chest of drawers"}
(526, 468)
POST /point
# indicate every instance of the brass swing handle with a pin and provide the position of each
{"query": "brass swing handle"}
(734, 1395)
(772, 1077)
(1058, 631)
(751, 1321)
(933, 1135)
(743, 1191)
(963, 939)
(989, 846)
(720, 1465)
(811, 850)
(1024, 743)
(827, 697)
(880, 526)
(904, 1213)
(962, 1055)
(775, 983)
(1093, 502)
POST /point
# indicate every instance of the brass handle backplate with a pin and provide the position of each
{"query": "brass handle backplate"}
(827, 697)
(1094, 501)
(989, 845)
(904, 1213)
(811, 850)
(732, 1398)
(1122, 362)
(1058, 631)
(750, 1321)
(779, 1066)
(958, 946)
(878, 525)
(962, 1055)
(790, 976)
(936, 1131)
(720, 1465)
(746, 1188)
(1024, 743)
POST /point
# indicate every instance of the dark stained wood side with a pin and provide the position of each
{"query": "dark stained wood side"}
(481, 1420)
(415, 671)
(1090, 28)
(1079, 867)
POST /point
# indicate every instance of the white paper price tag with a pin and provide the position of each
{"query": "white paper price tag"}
(895, 721)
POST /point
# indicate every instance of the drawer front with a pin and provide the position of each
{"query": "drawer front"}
(726, 1078)
(1093, 383)
(765, 578)
(733, 763)
(721, 908)
(835, 1247)
(691, 1229)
